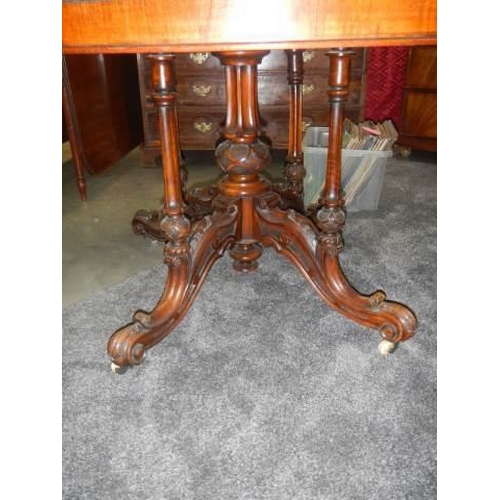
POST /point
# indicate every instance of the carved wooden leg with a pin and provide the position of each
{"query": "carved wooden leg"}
(191, 249)
(197, 203)
(313, 245)
(189, 254)
(292, 193)
(315, 253)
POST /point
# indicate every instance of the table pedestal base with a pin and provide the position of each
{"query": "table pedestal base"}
(247, 215)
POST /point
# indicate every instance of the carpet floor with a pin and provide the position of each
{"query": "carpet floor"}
(262, 391)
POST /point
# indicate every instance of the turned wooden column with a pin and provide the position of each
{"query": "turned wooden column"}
(330, 218)
(242, 155)
(294, 165)
(338, 81)
(292, 191)
(164, 98)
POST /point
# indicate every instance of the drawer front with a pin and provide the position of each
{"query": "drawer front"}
(184, 69)
(276, 124)
(201, 91)
(199, 130)
(273, 90)
(198, 63)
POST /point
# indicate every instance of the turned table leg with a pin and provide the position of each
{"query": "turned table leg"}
(292, 192)
(197, 203)
(73, 133)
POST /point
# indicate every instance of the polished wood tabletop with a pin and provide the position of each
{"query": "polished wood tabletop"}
(206, 25)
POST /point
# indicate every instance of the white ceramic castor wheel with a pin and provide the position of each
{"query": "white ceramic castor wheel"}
(385, 347)
(118, 369)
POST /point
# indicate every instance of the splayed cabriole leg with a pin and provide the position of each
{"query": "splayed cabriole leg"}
(315, 253)
(191, 248)
(189, 254)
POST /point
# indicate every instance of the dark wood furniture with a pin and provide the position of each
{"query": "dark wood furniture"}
(201, 106)
(246, 214)
(419, 117)
(101, 110)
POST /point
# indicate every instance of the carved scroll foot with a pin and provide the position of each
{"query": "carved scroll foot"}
(315, 253)
(189, 255)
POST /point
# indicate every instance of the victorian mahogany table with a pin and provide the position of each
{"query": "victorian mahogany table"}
(244, 212)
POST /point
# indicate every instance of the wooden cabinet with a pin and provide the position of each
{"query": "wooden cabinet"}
(104, 100)
(201, 103)
(101, 111)
(419, 119)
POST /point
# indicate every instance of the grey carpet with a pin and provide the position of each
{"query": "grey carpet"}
(263, 392)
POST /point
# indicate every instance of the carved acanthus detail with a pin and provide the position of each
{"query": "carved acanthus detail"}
(243, 159)
(330, 220)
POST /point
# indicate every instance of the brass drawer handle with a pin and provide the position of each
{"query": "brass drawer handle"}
(199, 57)
(203, 127)
(307, 89)
(202, 90)
(308, 55)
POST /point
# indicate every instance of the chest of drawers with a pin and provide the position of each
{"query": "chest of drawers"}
(201, 98)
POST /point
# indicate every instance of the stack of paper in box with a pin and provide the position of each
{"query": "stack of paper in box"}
(365, 149)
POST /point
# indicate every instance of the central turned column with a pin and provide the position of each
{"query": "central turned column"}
(241, 154)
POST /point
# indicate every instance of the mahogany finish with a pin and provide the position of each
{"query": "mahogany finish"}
(419, 120)
(292, 194)
(210, 25)
(246, 213)
(101, 111)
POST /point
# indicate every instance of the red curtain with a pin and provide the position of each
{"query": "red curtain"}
(385, 81)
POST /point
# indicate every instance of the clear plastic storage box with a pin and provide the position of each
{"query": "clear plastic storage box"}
(362, 171)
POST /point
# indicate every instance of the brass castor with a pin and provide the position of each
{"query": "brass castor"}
(385, 347)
